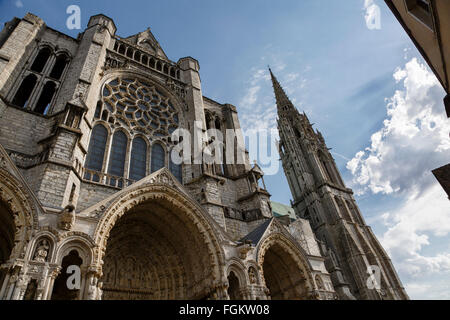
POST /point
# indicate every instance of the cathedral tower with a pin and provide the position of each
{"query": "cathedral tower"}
(319, 194)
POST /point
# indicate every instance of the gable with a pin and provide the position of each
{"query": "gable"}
(147, 42)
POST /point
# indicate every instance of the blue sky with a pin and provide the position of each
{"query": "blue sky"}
(368, 91)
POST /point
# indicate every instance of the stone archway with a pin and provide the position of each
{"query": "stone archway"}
(286, 272)
(60, 289)
(19, 217)
(234, 287)
(158, 245)
(7, 232)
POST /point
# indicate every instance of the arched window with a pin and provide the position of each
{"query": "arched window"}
(217, 124)
(208, 121)
(60, 289)
(130, 53)
(158, 66)
(26, 88)
(46, 97)
(158, 157)
(122, 49)
(97, 147)
(98, 110)
(117, 155)
(61, 62)
(51, 72)
(176, 169)
(41, 60)
(138, 163)
(152, 63)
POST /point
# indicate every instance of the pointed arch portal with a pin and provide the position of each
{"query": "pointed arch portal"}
(286, 271)
(159, 247)
(7, 231)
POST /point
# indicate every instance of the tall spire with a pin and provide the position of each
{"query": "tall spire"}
(283, 102)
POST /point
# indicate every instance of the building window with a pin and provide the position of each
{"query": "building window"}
(97, 148)
(158, 157)
(117, 155)
(46, 97)
(26, 89)
(60, 65)
(137, 107)
(98, 110)
(41, 60)
(421, 9)
(176, 169)
(41, 81)
(138, 165)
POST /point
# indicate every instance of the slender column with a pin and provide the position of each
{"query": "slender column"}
(93, 287)
(5, 285)
(49, 290)
(20, 287)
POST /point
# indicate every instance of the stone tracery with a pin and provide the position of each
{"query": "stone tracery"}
(139, 106)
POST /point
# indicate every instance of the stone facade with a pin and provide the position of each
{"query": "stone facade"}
(87, 180)
(321, 197)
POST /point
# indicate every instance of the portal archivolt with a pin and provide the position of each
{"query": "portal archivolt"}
(160, 249)
(286, 273)
(7, 231)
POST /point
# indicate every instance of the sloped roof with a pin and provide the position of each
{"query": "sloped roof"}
(258, 233)
(443, 176)
(280, 210)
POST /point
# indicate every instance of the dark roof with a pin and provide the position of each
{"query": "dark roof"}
(257, 234)
(443, 176)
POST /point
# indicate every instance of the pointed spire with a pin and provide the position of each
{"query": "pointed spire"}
(283, 102)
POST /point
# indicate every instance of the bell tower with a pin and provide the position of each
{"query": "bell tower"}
(359, 266)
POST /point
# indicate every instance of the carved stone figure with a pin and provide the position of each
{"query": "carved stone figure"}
(66, 218)
(252, 275)
(42, 251)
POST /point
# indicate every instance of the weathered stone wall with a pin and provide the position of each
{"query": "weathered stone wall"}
(91, 194)
(238, 229)
(21, 131)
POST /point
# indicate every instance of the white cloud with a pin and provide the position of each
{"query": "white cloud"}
(18, 3)
(412, 142)
(425, 276)
(409, 230)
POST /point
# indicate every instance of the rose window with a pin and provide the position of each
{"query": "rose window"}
(140, 107)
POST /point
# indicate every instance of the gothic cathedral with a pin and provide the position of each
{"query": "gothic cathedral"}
(88, 182)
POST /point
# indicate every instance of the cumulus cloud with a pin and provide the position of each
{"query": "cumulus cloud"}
(412, 142)
(409, 231)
